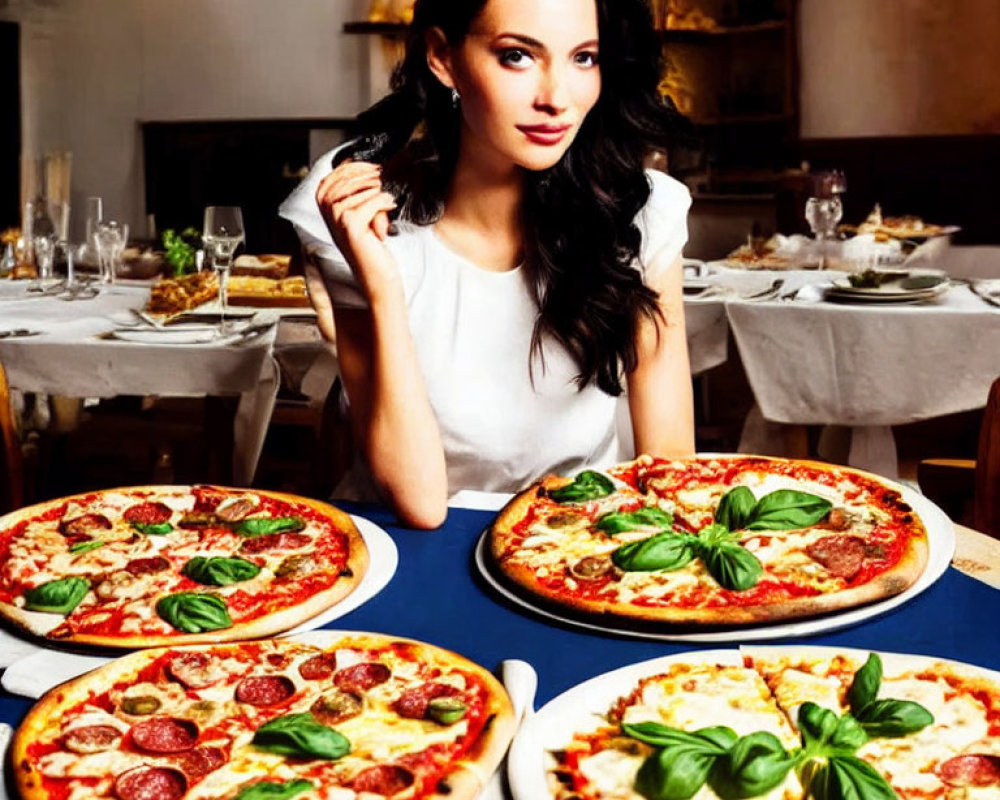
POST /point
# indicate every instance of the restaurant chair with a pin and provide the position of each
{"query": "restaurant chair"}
(969, 490)
(12, 471)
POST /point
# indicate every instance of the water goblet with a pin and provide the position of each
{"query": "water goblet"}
(111, 239)
(221, 235)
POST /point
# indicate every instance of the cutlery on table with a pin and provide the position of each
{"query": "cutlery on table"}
(768, 293)
(989, 298)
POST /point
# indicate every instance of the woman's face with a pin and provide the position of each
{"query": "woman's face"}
(527, 74)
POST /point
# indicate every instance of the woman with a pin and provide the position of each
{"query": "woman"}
(534, 274)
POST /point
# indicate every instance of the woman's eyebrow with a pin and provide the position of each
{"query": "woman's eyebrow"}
(528, 41)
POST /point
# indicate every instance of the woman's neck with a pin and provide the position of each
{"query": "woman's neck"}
(481, 219)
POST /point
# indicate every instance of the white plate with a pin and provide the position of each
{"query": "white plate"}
(553, 726)
(923, 296)
(906, 285)
(941, 549)
(38, 669)
(169, 336)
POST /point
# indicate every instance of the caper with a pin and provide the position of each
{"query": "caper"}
(140, 704)
(446, 710)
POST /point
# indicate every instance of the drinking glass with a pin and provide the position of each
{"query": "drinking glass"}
(111, 239)
(221, 235)
(45, 253)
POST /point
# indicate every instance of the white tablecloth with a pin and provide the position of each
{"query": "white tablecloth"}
(863, 366)
(71, 358)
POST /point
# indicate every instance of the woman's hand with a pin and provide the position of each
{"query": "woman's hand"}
(356, 210)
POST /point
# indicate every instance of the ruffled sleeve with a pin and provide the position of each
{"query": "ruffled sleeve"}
(301, 209)
(663, 220)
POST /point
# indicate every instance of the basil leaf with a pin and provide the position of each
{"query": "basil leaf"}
(193, 612)
(56, 597)
(864, 687)
(274, 790)
(219, 571)
(847, 736)
(735, 508)
(153, 528)
(588, 485)
(86, 547)
(732, 565)
(716, 740)
(621, 521)
(258, 526)
(674, 773)
(894, 718)
(849, 778)
(753, 766)
(816, 723)
(664, 551)
(787, 509)
(301, 735)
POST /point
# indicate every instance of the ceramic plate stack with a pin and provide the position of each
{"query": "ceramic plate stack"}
(911, 286)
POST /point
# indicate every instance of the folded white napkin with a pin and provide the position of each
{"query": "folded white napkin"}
(34, 674)
(521, 682)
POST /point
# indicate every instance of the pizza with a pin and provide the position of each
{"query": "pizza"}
(903, 227)
(155, 565)
(784, 724)
(247, 290)
(729, 540)
(170, 296)
(334, 715)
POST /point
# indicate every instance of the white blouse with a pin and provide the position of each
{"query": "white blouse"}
(506, 418)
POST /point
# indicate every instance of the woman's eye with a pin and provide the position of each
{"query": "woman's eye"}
(515, 57)
(586, 58)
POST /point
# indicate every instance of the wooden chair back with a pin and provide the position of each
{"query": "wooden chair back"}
(986, 505)
(12, 464)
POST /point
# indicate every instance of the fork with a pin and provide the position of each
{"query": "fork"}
(768, 293)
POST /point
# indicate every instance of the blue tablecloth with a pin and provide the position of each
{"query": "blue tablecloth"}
(438, 596)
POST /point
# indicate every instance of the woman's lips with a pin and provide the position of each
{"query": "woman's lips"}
(544, 134)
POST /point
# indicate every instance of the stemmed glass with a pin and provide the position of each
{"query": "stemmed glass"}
(111, 239)
(824, 209)
(222, 234)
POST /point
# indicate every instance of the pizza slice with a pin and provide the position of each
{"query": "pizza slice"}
(955, 752)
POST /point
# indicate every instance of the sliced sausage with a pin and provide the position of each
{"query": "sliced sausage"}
(413, 703)
(972, 769)
(84, 525)
(195, 670)
(299, 564)
(361, 677)
(264, 690)
(318, 668)
(383, 779)
(149, 513)
(336, 706)
(91, 738)
(236, 510)
(275, 541)
(201, 761)
(841, 555)
(164, 735)
(197, 520)
(147, 566)
(150, 783)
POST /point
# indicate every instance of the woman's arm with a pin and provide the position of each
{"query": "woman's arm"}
(659, 389)
(390, 411)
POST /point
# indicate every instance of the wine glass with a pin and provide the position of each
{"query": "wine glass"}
(222, 234)
(111, 239)
(824, 209)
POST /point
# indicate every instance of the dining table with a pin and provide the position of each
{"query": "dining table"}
(94, 345)
(438, 594)
(813, 359)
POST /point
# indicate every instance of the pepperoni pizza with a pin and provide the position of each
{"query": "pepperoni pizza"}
(332, 716)
(709, 541)
(148, 566)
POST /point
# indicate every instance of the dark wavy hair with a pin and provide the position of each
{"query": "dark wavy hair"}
(580, 241)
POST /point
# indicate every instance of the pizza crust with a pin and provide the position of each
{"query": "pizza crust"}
(523, 578)
(41, 624)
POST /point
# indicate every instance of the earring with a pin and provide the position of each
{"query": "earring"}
(455, 97)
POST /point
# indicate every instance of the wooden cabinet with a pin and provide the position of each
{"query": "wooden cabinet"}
(732, 70)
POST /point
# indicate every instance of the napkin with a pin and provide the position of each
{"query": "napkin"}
(521, 682)
(34, 674)
(13, 648)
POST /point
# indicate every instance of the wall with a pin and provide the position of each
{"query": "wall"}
(899, 67)
(93, 69)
